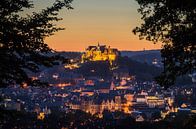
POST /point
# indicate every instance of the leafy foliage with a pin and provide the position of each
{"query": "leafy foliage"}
(173, 23)
(82, 120)
(22, 46)
(96, 69)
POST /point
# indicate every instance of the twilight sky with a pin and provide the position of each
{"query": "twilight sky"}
(109, 22)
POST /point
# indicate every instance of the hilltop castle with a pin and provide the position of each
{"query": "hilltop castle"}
(100, 53)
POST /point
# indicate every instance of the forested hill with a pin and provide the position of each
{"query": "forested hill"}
(142, 71)
(147, 56)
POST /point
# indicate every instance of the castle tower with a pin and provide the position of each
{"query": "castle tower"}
(98, 46)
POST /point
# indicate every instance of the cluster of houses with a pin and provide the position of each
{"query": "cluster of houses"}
(96, 97)
(142, 100)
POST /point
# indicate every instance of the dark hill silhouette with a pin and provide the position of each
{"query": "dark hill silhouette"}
(142, 71)
(147, 56)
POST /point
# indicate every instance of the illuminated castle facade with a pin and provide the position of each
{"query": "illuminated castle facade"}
(100, 53)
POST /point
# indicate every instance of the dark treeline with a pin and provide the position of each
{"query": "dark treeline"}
(142, 71)
(173, 23)
(82, 120)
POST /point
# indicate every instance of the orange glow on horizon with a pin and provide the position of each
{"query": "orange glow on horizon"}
(108, 22)
(61, 42)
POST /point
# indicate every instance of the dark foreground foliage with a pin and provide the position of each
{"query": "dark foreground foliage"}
(22, 45)
(81, 120)
(172, 22)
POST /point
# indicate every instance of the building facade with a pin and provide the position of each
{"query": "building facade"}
(100, 53)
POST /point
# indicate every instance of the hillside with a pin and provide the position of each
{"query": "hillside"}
(142, 71)
(148, 57)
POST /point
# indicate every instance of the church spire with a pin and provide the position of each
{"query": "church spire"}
(98, 44)
(112, 86)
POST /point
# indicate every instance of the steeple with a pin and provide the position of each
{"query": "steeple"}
(98, 44)
(112, 86)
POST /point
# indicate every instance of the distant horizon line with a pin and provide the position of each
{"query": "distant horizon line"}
(118, 50)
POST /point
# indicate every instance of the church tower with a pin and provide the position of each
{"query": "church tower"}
(112, 86)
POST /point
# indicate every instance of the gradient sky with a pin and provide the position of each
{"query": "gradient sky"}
(109, 22)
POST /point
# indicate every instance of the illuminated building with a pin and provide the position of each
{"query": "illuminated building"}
(139, 118)
(87, 93)
(193, 110)
(118, 102)
(24, 85)
(98, 105)
(89, 83)
(100, 53)
(154, 101)
(141, 99)
(184, 105)
(129, 98)
(41, 116)
(71, 66)
(123, 87)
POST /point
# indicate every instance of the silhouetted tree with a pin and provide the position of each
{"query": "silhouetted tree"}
(172, 22)
(22, 46)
